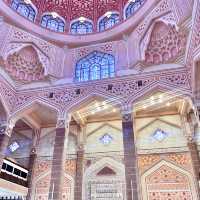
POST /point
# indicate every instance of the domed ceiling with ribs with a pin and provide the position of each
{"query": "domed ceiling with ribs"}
(73, 9)
(60, 15)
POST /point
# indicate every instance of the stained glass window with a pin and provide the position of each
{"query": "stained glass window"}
(81, 27)
(159, 135)
(24, 9)
(96, 65)
(106, 139)
(108, 21)
(53, 23)
(133, 6)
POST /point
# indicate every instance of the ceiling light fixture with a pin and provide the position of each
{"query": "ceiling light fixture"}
(27, 1)
(82, 19)
(54, 14)
(108, 14)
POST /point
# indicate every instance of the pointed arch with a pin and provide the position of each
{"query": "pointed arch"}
(25, 9)
(180, 171)
(81, 26)
(108, 20)
(131, 7)
(53, 22)
(91, 173)
(96, 65)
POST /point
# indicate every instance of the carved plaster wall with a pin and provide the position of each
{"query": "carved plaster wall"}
(166, 44)
(167, 181)
(96, 182)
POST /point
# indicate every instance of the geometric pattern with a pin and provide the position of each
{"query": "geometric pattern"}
(167, 183)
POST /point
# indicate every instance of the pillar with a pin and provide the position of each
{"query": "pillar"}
(5, 134)
(79, 173)
(189, 123)
(32, 163)
(58, 160)
(130, 157)
(79, 163)
(192, 146)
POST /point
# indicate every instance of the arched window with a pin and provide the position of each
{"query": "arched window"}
(108, 21)
(132, 7)
(81, 27)
(54, 23)
(24, 9)
(95, 66)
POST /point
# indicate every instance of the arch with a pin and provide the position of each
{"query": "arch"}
(27, 10)
(93, 170)
(90, 97)
(96, 65)
(53, 21)
(145, 39)
(43, 58)
(108, 20)
(19, 112)
(79, 26)
(173, 167)
(131, 7)
(48, 173)
(158, 87)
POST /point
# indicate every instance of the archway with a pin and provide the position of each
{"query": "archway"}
(104, 180)
(166, 181)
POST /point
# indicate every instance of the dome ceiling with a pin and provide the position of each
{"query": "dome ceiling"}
(73, 9)
(76, 16)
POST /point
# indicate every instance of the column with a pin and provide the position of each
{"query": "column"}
(192, 146)
(58, 160)
(79, 173)
(79, 163)
(189, 123)
(5, 134)
(130, 157)
(32, 162)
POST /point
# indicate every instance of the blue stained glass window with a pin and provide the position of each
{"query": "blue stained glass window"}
(54, 24)
(133, 7)
(159, 135)
(106, 139)
(79, 27)
(24, 9)
(108, 22)
(95, 66)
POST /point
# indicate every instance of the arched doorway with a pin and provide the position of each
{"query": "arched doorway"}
(166, 181)
(104, 180)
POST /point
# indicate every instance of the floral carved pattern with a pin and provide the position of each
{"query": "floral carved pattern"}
(165, 44)
(25, 65)
(167, 183)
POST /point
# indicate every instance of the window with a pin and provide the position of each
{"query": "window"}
(24, 9)
(133, 6)
(159, 135)
(81, 27)
(96, 65)
(53, 23)
(108, 21)
(106, 139)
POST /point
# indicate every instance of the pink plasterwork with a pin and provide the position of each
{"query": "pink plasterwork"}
(165, 45)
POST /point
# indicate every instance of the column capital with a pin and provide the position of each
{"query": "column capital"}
(127, 112)
(126, 109)
(63, 120)
(6, 128)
